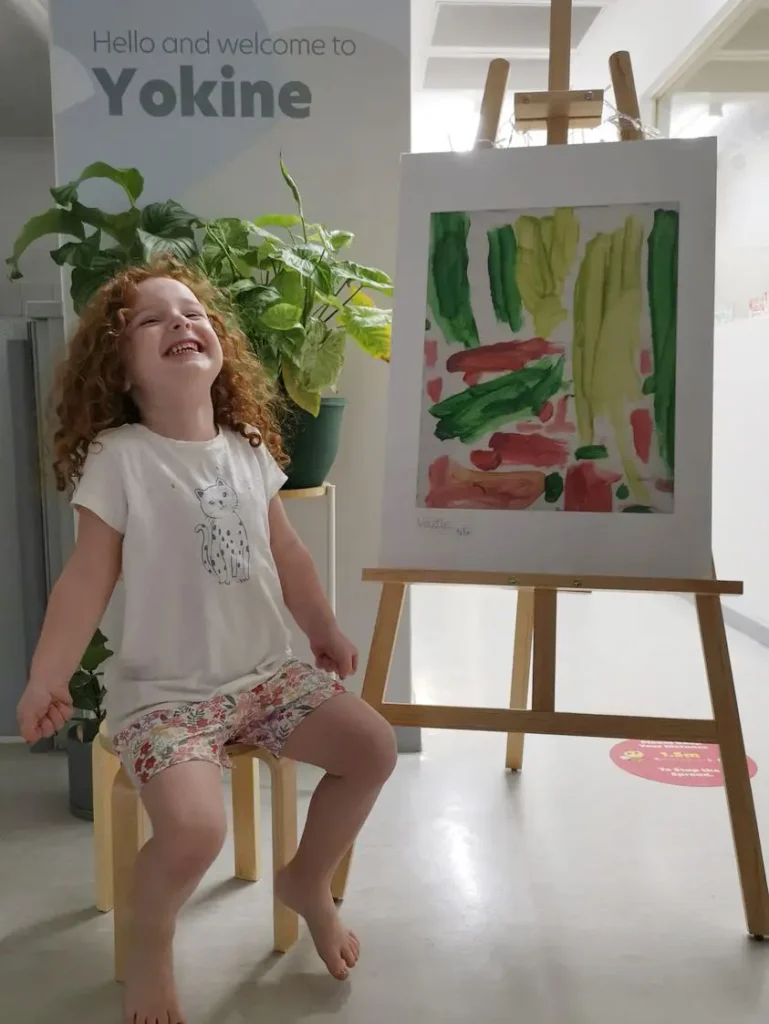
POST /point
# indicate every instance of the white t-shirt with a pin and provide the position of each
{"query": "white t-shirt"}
(203, 601)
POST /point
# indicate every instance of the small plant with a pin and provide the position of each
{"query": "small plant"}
(86, 688)
(296, 297)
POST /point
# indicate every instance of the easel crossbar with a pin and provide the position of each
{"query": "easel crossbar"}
(540, 581)
(551, 723)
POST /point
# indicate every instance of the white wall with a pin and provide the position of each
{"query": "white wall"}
(661, 35)
(26, 174)
(741, 391)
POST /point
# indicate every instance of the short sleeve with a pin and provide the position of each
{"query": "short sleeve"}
(101, 488)
(272, 475)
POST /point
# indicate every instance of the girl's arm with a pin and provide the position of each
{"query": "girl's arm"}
(305, 597)
(75, 609)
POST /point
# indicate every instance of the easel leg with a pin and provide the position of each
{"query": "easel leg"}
(375, 682)
(739, 793)
(519, 689)
(543, 672)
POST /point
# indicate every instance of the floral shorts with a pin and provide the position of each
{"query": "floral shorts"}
(263, 717)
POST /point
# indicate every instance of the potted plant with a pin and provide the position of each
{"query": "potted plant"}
(296, 297)
(87, 692)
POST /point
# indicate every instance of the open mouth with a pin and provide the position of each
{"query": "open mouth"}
(184, 348)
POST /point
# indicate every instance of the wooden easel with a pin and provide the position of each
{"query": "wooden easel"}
(535, 626)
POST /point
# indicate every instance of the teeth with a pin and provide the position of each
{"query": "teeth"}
(184, 347)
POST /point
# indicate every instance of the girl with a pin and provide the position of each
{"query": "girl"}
(168, 435)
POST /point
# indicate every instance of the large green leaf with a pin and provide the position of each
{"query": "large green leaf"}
(129, 179)
(121, 226)
(183, 249)
(283, 316)
(168, 220)
(52, 222)
(371, 327)
(307, 400)
(340, 239)
(278, 220)
(291, 287)
(369, 277)
(87, 279)
(322, 357)
(96, 654)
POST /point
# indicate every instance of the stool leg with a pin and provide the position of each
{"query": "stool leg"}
(339, 881)
(284, 841)
(127, 840)
(105, 767)
(245, 817)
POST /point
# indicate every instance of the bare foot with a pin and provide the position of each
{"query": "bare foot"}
(337, 946)
(150, 992)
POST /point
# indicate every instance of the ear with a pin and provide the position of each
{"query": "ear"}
(221, 483)
(199, 492)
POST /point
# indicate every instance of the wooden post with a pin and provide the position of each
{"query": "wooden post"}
(559, 72)
(625, 96)
(493, 100)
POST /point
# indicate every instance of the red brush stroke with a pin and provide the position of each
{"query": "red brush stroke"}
(645, 364)
(546, 412)
(485, 460)
(559, 424)
(533, 450)
(665, 486)
(435, 389)
(431, 354)
(453, 486)
(529, 428)
(642, 426)
(504, 357)
(471, 379)
(589, 489)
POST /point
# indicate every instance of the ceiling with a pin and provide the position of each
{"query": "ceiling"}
(462, 36)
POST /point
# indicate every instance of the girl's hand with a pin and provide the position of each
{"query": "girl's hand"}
(43, 710)
(335, 654)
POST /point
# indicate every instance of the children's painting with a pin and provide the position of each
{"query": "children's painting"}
(550, 360)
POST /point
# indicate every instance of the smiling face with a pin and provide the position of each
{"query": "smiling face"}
(172, 344)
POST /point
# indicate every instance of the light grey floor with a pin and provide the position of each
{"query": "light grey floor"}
(573, 894)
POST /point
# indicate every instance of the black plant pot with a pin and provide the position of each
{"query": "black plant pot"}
(312, 443)
(79, 753)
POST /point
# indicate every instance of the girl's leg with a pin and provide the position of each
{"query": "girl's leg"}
(357, 749)
(186, 807)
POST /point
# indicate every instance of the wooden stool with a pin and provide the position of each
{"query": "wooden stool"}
(119, 833)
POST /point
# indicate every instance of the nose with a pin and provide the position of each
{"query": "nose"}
(179, 321)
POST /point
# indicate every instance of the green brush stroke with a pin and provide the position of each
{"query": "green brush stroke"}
(553, 487)
(623, 492)
(638, 508)
(478, 410)
(448, 286)
(547, 247)
(662, 285)
(607, 338)
(502, 262)
(592, 451)
(649, 386)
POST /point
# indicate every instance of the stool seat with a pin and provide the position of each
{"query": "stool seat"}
(119, 832)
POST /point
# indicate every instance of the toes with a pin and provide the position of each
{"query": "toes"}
(339, 971)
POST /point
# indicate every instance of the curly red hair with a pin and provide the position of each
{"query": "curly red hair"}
(91, 392)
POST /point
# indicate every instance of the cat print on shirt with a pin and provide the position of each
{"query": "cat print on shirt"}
(225, 552)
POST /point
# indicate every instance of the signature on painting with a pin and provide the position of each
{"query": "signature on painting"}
(443, 526)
